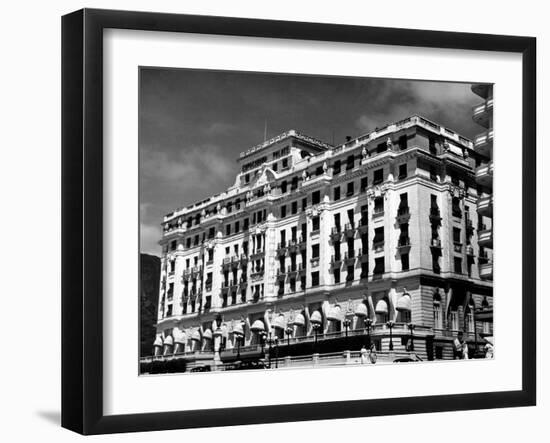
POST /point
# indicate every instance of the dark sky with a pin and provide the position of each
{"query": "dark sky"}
(194, 123)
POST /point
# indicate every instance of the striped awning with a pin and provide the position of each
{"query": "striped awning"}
(257, 326)
(361, 310)
(381, 307)
(404, 304)
(299, 320)
(316, 318)
(279, 322)
(207, 334)
(169, 340)
(335, 314)
(196, 335)
(158, 341)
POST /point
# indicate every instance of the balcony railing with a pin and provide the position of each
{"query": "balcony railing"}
(483, 143)
(404, 242)
(378, 246)
(457, 246)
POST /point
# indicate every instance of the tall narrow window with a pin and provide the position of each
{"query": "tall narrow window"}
(315, 278)
(364, 184)
(337, 193)
(378, 177)
(402, 142)
(315, 223)
(283, 211)
(337, 167)
(350, 190)
(405, 262)
(316, 197)
(402, 171)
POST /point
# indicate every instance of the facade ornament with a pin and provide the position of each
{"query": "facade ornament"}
(389, 143)
(446, 145)
(364, 152)
(325, 167)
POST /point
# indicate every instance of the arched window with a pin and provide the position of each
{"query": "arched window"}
(438, 311)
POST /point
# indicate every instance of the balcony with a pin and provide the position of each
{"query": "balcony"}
(292, 245)
(226, 262)
(485, 206)
(281, 248)
(378, 246)
(335, 233)
(349, 229)
(378, 212)
(435, 216)
(335, 260)
(363, 255)
(435, 243)
(469, 250)
(363, 227)
(486, 270)
(484, 175)
(302, 243)
(482, 114)
(403, 214)
(244, 259)
(258, 253)
(349, 257)
(404, 243)
(485, 238)
(258, 274)
(457, 247)
(469, 226)
(483, 143)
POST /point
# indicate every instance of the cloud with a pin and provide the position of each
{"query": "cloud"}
(149, 236)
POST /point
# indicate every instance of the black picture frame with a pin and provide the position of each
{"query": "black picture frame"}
(82, 218)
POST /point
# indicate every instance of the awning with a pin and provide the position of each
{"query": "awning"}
(196, 335)
(404, 304)
(381, 307)
(316, 318)
(257, 326)
(279, 322)
(361, 310)
(299, 320)
(179, 337)
(207, 334)
(158, 341)
(238, 329)
(335, 314)
(169, 340)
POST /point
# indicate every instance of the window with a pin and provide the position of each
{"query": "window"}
(285, 163)
(294, 207)
(350, 276)
(458, 265)
(402, 171)
(378, 240)
(378, 177)
(188, 242)
(237, 227)
(405, 262)
(379, 266)
(293, 284)
(456, 235)
(364, 184)
(438, 317)
(350, 190)
(435, 263)
(316, 197)
(304, 204)
(211, 255)
(454, 320)
(470, 326)
(402, 142)
(173, 245)
(319, 171)
(304, 231)
(350, 162)
(432, 146)
(455, 180)
(381, 147)
(457, 212)
(315, 278)
(337, 193)
(336, 275)
(337, 251)
(211, 232)
(379, 205)
(337, 222)
(169, 311)
(283, 211)
(227, 229)
(315, 251)
(275, 166)
(433, 173)
(196, 240)
(247, 178)
(293, 233)
(245, 224)
(283, 237)
(337, 168)
(315, 223)
(364, 270)
(229, 207)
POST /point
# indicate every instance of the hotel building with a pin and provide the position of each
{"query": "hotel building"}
(322, 249)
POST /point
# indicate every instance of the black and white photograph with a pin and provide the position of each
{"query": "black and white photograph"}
(297, 221)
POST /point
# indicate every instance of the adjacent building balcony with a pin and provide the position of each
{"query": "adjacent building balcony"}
(482, 90)
(485, 238)
(483, 113)
(258, 253)
(349, 229)
(349, 257)
(486, 270)
(335, 260)
(403, 214)
(335, 233)
(404, 243)
(484, 175)
(485, 206)
(483, 143)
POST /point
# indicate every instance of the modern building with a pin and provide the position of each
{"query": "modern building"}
(320, 249)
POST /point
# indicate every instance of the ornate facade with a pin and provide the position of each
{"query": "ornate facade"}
(380, 238)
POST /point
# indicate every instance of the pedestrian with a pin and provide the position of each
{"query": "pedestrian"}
(372, 354)
(489, 347)
(364, 355)
(458, 344)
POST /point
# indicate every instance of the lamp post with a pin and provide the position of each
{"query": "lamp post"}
(276, 340)
(368, 325)
(316, 327)
(390, 325)
(411, 327)
(270, 342)
(288, 332)
(346, 322)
